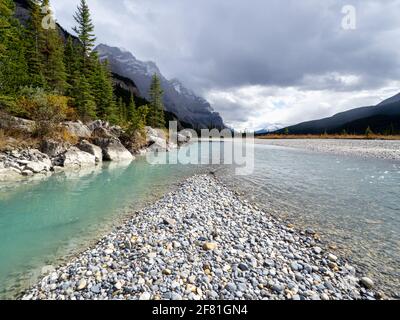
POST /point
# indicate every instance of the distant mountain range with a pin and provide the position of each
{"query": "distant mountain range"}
(178, 99)
(269, 128)
(383, 118)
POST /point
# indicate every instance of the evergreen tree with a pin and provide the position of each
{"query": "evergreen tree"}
(103, 90)
(121, 107)
(156, 113)
(45, 49)
(13, 67)
(82, 97)
(34, 58)
(84, 30)
(72, 63)
(131, 109)
(53, 55)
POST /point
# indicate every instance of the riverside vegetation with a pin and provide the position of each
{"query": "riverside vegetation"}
(54, 90)
(48, 79)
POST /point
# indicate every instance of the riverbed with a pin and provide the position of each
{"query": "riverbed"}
(351, 201)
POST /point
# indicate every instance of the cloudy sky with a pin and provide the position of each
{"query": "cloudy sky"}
(261, 62)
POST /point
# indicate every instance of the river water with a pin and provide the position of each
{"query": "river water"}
(352, 202)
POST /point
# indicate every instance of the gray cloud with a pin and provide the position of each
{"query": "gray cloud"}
(228, 44)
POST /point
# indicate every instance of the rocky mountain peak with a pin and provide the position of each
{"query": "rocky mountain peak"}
(178, 99)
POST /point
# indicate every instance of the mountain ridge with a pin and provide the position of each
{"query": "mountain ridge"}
(178, 99)
(381, 118)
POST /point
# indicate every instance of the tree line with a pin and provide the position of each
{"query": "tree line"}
(36, 62)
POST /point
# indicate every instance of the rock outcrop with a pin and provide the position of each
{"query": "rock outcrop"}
(156, 140)
(113, 149)
(78, 129)
(8, 122)
(99, 141)
(17, 163)
(76, 158)
(92, 149)
(53, 148)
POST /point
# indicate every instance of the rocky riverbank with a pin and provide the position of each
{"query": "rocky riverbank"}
(93, 143)
(203, 242)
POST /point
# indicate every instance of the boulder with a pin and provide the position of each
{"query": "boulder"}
(98, 124)
(116, 131)
(38, 166)
(76, 158)
(17, 163)
(156, 140)
(34, 160)
(158, 145)
(187, 134)
(78, 129)
(8, 122)
(53, 148)
(113, 150)
(92, 149)
(10, 174)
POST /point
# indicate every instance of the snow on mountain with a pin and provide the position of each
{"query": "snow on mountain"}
(270, 128)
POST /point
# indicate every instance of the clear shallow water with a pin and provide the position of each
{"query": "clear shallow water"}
(352, 202)
(44, 221)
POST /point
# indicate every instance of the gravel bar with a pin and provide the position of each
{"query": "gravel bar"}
(379, 149)
(203, 241)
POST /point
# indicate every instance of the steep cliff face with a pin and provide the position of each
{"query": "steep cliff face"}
(178, 99)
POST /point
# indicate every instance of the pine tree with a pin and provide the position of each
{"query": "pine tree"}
(103, 90)
(34, 58)
(13, 67)
(131, 112)
(84, 30)
(45, 49)
(156, 113)
(71, 62)
(82, 97)
(53, 55)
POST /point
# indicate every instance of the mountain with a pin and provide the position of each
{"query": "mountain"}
(269, 128)
(22, 13)
(383, 118)
(391, 100)
(178, 99)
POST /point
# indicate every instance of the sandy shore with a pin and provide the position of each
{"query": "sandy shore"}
(380, 149)
(203, 242)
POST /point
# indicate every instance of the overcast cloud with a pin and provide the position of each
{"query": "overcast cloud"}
(260, 61)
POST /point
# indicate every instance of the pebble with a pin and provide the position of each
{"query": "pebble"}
(82, 284)
(174, 257)
(367, 282)
(208, 246)
(145, 296)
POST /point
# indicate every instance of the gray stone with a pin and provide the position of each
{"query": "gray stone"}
(91, 149)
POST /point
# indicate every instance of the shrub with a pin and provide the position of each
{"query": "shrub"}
(368, 132)
(47, 110)
(3, 140)
(66, 136)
